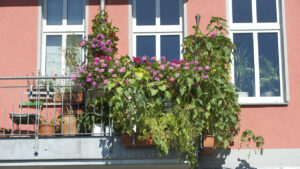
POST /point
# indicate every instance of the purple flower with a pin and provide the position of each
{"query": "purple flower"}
(96, 69)
(206, 76)
(108, 50)
(155, 73)
(100, 36)
(156, 79)
(88, 79)
(148, 68)
(105, 82)
(207, 67)
(200, 69)
(202, 77)
(93, 46)
(213, 35)
(94, 40)
(163, 58)
(94, 83)
(73, 78)
(103, 65)
(109, 42)
(103, 48)
(114, 76)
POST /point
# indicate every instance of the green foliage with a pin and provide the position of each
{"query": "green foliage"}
(73, 54)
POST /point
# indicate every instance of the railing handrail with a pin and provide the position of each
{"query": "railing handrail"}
(34, 77)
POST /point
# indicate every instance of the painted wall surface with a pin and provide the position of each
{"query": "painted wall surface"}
(18, 37)
(279, 125)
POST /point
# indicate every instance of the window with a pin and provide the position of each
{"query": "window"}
(256, 30)
(157, 28)
(63, 21)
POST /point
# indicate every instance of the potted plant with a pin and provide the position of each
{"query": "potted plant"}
(244, 73)
(68, 122)
(46, 129)
(269, 78)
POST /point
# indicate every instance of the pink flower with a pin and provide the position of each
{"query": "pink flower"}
(148, 68)
(177, 74)
(186, 64)
(196, 62)
(93, 46)
(96, 63)
(171, 79)
(110, 70)
(157, 79)
(149, 63)
(122, 70)
(155, 73)
(133, 77)
(207, 67)
(137, 59)
(105, 82)
(90, 75)
(94, 83)
(160, 75)
(96, 69)
(114, 76)
(101, 70)
(88, 79)
(177, 66)
(107, 58)
(144, 58)
(186, 68)
(202, 77)
(104, 65)
(200, 69)
(97, 59)
(163, 58)
(73, 78)
(103, 48)
(162, 67)
(171, 68)
(153, 58)
(79, 84)
(206, 76)
(82, 43)
(116, 62)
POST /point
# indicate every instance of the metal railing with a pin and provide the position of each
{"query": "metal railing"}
(45, 106)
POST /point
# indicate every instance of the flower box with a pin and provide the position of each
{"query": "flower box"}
(127, 140)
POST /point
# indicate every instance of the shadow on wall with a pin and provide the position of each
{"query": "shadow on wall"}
(218, 161)
(12, 3)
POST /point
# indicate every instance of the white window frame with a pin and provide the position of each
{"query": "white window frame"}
(64, 30)
(256, 28)
(157, 30)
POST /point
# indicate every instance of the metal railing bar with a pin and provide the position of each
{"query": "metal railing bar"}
(35, 77)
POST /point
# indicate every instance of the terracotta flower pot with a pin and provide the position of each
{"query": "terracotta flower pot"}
(46, 130)
(208, 144)
(69, 127)
(128, 140)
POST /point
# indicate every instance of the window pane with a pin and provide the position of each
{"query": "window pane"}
(73, 53)
(169, 12)
(145, 12)
(170, 47)
(53, 54)
(54, 12)
(75, 12)
(268, 64)
(242, 11)
(266, 11)
(244, 64)
(145, 46)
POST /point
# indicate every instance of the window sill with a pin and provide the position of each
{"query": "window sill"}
(259, 101)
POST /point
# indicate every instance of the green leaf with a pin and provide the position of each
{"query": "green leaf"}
(162, 88)
(168, 95)
(120, 90)
(153, 92)
(206, 115)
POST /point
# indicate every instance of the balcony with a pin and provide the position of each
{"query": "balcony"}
(39, 126)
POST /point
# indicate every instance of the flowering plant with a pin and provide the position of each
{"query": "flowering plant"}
(199, 89)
